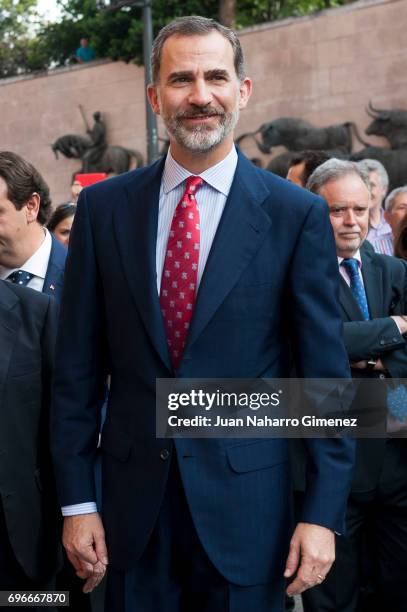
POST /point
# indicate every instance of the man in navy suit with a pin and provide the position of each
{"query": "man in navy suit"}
(201, 265)
(29, 255)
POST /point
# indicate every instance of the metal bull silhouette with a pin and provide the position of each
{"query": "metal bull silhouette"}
(392, 124)
(299, 135)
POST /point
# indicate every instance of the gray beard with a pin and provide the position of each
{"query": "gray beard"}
(202, 138)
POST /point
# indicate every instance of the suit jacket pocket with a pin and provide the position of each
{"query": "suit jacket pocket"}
(256, 456)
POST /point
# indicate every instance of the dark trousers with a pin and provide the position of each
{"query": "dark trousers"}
(176, 575)
(370, 571)
(12, 575)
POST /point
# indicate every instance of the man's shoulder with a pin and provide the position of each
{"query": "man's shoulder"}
(10, 294)
(388, 262)
(280, 190)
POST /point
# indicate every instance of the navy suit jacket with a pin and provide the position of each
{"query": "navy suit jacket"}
(54, 278)
(270, 283)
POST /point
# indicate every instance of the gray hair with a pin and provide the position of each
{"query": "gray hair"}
(335, 169)
(389, 201)
(195, 26)
(372, 165)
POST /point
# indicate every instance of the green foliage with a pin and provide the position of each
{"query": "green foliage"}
(17, 20)
(114, 34)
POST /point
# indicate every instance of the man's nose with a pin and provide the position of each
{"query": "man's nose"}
(350, 218)
(200, 93)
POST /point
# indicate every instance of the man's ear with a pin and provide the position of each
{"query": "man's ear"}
(33, 207)
(152, 95)
(245, 90)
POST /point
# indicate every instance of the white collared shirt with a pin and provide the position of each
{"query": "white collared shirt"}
(37, 264)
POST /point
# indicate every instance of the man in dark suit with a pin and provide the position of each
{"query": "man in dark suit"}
(29, 514)
(29, 254)
(373, 298)
(199, 525)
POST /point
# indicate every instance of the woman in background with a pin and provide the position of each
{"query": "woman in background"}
(61, 221)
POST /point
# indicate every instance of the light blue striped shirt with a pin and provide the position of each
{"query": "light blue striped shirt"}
(211, 199)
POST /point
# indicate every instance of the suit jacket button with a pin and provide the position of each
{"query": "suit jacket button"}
(164, 454)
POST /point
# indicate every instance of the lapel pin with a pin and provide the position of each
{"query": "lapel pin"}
(52, 287)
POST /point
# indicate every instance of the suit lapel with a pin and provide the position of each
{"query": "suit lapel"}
(348, 302)
(135, 226)
(54, 277)
(373, 281)
(241, 231)
(9, 324)
(373, 284)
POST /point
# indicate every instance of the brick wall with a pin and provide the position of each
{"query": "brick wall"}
(323, 68)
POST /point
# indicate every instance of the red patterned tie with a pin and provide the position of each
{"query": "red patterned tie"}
(180, 273)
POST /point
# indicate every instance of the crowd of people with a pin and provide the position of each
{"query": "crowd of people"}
(305, 275)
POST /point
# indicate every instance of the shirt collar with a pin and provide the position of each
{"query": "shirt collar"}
(37, 264)
(355, 256)
(382, 228)
(220, 176)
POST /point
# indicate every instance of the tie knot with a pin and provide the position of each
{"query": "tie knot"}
(351, 266)
(193, 183)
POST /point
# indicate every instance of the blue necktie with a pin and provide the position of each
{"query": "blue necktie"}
(356, 286)
(20, 277)
(397, 402)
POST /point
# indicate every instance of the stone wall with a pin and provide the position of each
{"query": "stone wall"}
(323, 68)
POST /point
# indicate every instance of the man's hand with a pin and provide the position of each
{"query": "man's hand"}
(362, 365)
(84, 541)
(312, 552)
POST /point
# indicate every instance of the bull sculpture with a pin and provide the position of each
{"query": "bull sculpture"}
(298, 135)
(391, 124)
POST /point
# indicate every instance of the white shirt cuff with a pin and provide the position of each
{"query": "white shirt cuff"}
(397, 325)
(86, 508)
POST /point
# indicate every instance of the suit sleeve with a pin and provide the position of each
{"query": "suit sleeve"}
(380, 337)
(81, 367)
(371, 339)
(319, 352)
